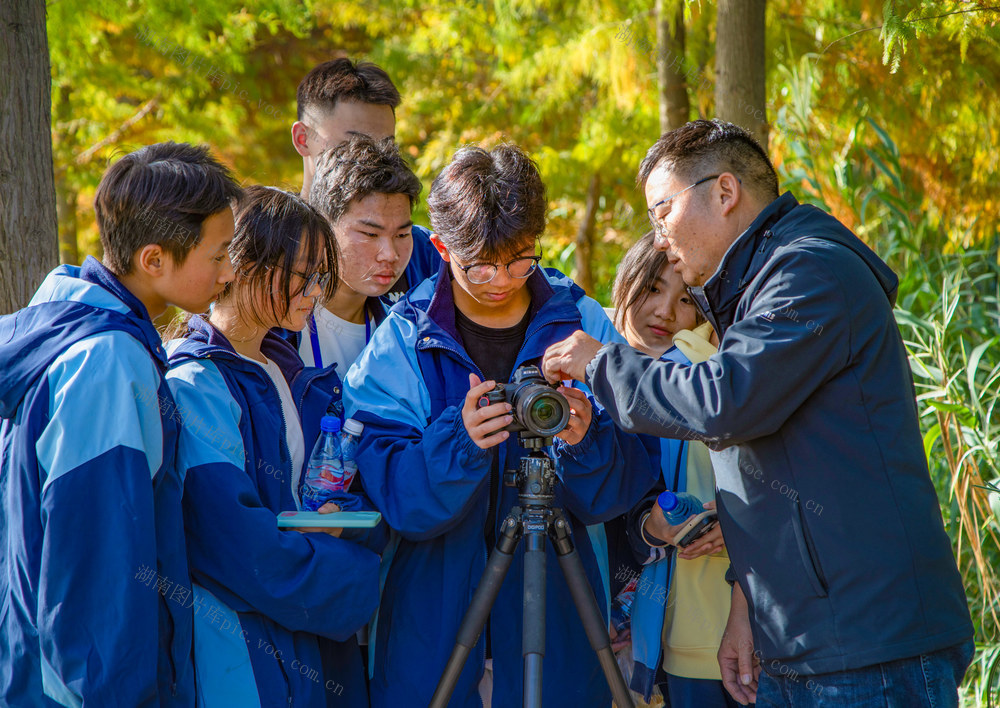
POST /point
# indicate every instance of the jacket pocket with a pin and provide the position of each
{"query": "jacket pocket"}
(807, 552)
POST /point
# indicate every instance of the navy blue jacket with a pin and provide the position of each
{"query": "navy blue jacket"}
(94, 590)
(828, 510)
(276, 611)
(432, 484)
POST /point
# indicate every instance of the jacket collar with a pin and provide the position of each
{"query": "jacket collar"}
(212, 341)
(94, 272)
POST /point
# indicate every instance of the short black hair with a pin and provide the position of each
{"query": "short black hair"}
(272, 229)
(636, 275)
(488, 204)
(356, 168)
(343, 80)
(160, 194)
(704, 147)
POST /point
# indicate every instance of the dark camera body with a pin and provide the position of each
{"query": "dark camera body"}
(537, 407)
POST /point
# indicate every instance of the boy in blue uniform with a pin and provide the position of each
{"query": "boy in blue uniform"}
(94, 582)
(431, 458)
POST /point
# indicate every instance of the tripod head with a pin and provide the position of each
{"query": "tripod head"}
(535, 477)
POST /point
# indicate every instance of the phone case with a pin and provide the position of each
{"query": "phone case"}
(336, 520)
(705, 519)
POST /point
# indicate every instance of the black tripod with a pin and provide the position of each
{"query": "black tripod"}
(534, 518)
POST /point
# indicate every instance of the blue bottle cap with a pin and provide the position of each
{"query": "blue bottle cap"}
(329, 424)
(667, 500)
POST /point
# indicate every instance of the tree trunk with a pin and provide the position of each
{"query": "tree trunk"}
(740, 95)
(69, 249)
(675, 108)
(585, 237)
(27, 192)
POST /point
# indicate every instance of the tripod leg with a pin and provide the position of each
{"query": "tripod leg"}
(479, 609)
(533, 621)
(586, 606)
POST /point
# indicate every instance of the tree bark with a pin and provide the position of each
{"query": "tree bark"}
(28, 241)
(740, 95)
(675, 109)
(585, 237)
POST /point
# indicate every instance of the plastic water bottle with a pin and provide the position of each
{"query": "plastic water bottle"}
(325, 472)
(348, 447)
(677, 508)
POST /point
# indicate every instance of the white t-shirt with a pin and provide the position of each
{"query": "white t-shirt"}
(340, 341)
(293, 426)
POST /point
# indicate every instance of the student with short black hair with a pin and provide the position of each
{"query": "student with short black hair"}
(94, 579)
(281, 609)
(336, 101)
(431, 458)
(367, 192)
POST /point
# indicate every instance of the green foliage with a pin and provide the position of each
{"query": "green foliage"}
(948, 311)
(884, 113)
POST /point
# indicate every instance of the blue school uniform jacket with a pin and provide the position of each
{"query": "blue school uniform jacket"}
(276, 611)
(647, 611)
(93, 575)
(431, 482)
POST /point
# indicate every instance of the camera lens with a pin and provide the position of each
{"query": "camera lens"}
(541, 410)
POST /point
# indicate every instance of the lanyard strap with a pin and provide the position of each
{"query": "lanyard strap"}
(314, 337)
(314, 340)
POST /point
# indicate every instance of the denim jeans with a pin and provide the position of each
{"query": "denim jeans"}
(925, 681)
(681, 692)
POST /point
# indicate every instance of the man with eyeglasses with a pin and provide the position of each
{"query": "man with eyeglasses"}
(339, 99)
(846, 592)
(431, 458)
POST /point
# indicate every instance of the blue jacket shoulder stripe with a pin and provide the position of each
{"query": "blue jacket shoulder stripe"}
(377, 372)
(210, 415)
(110, 383)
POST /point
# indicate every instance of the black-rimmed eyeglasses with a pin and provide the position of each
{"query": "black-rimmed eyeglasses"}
(656, 222)
(482, 273)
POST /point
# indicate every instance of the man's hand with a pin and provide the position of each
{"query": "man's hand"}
(569, 358)
(580, 415)
(482, 424)
(740, 668)
(327, 508)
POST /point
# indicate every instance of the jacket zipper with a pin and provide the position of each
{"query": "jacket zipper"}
(496, 476)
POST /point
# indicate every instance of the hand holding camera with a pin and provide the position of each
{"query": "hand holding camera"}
(528, 405)
(486, 425)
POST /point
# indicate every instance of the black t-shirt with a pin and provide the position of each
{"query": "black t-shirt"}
(494, 350)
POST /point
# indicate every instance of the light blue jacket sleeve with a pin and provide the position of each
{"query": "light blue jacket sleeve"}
(422, 474)
(308, 582)
(98, 450)
(609, 471)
